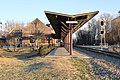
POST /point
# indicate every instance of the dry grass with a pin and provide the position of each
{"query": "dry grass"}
(11, 50)
(37, 68)
(49, 68)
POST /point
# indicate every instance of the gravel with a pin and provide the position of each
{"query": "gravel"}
(112, 60)
(103, 67)
(105, 70)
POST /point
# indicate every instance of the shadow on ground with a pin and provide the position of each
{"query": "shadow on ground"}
(27, 56)
(35, 66)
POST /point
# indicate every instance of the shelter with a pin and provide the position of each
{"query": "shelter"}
(63, 29)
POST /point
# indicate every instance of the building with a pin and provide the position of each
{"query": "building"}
(1, 33)
(116, 29)
(36, 33)
(2, 39)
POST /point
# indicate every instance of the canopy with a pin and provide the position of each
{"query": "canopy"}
(61, 28)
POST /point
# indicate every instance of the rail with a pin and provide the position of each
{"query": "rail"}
(108, 53)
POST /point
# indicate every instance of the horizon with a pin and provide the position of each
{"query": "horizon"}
(27, 11)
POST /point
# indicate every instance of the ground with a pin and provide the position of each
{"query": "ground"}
(57, 68)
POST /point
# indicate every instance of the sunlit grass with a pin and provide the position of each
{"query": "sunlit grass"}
(50, 68)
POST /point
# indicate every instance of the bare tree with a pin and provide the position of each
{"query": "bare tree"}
(107, 18)
(11, 32)
(94, 31)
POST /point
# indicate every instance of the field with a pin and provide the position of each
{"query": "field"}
(39, 68)
(22, 67)
(50, 68)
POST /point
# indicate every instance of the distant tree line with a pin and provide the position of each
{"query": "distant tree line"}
(91, 35)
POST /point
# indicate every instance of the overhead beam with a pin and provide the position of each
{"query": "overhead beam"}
(63, 31)
(64, 24)
(63, 28)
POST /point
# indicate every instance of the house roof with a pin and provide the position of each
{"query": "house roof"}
(116, 19)
(37, 25)
(61, 28)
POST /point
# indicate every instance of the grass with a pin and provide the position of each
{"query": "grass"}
(44, 51)
(11, 50)
(24, 50)
(48, 68)
(58, 68)
(37, 68)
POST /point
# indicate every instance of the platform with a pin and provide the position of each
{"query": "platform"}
(61, 51)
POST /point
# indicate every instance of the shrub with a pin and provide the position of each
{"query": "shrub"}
(41, 50)
(44, 50)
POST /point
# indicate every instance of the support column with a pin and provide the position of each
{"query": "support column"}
(68, 41)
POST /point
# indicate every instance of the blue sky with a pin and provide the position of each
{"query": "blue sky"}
(28, 10)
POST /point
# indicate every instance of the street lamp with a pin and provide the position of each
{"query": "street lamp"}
(70, 30)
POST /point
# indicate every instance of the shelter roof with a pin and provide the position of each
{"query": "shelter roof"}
(61, 28)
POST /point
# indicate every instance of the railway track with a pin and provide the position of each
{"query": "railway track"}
(108, 53)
